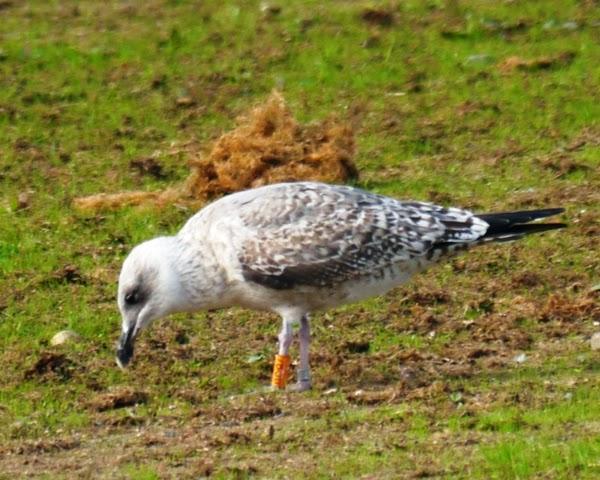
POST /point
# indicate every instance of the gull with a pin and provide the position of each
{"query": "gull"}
(297, 248)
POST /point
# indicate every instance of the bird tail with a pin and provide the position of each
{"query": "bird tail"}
(508, 226)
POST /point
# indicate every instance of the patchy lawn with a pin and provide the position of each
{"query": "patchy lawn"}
(480, 368)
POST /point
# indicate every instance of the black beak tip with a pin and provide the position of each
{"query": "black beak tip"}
(125, 349)
(124, 357)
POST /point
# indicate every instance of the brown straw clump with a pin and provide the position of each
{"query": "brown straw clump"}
(112, 201)
(267, 146)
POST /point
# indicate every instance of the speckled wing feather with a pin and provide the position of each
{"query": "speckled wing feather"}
(320, 235)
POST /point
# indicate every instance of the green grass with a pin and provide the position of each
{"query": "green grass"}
(86, 87)
(136, 472)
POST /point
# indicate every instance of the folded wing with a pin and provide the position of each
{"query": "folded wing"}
(321, 235)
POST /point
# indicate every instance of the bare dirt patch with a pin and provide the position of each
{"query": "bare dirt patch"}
(51, 364)
(243, 410)
(148, 166)
(66, 274)
(123, 397)
(45, 446)
(376, 16)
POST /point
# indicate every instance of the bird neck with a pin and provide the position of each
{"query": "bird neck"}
(200, 276)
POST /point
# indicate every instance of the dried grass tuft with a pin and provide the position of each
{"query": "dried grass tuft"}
(267, 146)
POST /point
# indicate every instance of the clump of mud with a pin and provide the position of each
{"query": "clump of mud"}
(267, 146)
(51, 364)
(124, 397)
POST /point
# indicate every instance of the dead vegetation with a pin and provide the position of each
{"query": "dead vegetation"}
(38, 447)
(513, 63)
(244, 410)
(119, 398)
(267, 146)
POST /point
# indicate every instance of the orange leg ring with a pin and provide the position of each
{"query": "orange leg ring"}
(281, 371)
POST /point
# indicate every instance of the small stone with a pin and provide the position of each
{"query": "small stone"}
(456, 397)
(331, 391)
(479, 59)
(23, 201)
(520, 358)
(269, 9)
(257, 357)
(595, 341)
(65, 336)
(18, 427)
(185, 101)
(571, 25)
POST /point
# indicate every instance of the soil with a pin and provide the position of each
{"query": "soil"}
(124, 397)
(348, 374)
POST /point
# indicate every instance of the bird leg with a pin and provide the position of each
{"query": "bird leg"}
(304, 382)
(281, 368)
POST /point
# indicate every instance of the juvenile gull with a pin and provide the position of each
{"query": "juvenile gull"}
(293, 248)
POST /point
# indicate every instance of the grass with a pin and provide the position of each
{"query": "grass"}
(86, 87)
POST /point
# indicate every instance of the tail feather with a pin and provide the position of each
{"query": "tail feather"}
(507, 226)
(519, 231)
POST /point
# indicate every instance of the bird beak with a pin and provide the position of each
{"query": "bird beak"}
(125, 347)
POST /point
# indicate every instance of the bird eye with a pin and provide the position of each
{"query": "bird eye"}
(132, 297)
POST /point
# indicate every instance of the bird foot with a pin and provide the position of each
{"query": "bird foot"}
(299, 387)
(293, 388)
(304, 381)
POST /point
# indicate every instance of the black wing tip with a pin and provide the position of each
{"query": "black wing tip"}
(522, 216)
(512, 222)
(515, 232)
(556, 225)
(546, 212)
(540, 227)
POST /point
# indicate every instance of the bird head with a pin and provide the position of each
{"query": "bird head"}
(148, 290)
